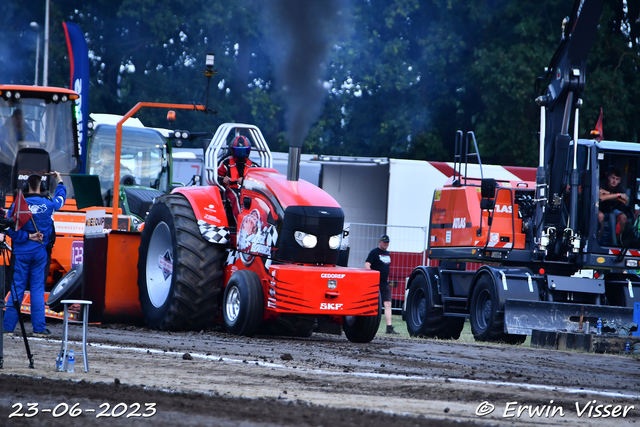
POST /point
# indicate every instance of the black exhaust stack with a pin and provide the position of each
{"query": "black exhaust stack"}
(293, 167)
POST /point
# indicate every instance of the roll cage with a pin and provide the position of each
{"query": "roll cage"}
(221, 141)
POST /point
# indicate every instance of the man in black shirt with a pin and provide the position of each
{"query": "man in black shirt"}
(380, 260)
(612, 200)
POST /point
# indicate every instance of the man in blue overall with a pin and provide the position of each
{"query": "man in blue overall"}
(29, 246)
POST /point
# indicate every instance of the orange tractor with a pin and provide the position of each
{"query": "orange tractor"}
(38, 134)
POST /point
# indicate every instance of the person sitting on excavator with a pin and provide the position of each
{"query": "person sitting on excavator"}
(233, 169)
(612, 200)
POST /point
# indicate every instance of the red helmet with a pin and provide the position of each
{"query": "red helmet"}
(241, 147)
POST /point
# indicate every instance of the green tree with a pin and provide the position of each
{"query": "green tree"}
(404, 78)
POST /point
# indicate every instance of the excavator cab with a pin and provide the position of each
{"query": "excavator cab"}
(607, 169)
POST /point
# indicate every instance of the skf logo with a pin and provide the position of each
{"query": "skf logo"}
(504, 208)
(332, 276)
(330, 306)
(459, 222)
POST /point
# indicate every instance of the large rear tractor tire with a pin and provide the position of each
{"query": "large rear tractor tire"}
(243, 305)
(179, 273)
(362, 329)
(487, 324)
(426, 321)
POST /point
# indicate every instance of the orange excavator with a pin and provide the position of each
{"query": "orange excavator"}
(554, 257)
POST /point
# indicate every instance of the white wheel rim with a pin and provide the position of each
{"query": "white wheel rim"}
(63, 282)
(159, 265)
(232, 304)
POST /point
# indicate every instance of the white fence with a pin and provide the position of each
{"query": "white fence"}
(407, 246)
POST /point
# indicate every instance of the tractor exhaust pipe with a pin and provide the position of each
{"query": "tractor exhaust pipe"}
(293, 167)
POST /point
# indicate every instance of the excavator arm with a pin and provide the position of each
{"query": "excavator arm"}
(566, 75)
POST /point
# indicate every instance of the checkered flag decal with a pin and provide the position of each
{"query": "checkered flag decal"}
(213, 233)
(271, 237)
(232, 257)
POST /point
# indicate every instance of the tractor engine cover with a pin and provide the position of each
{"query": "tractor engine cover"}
(322, 222)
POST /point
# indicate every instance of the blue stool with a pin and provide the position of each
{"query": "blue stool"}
(85, 322)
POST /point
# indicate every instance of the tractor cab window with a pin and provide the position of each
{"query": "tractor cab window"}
(617, 192)
(143, 158)
(31, 123)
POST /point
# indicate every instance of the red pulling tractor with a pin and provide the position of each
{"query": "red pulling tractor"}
(276, 272)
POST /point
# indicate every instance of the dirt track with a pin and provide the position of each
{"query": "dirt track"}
(212, 378)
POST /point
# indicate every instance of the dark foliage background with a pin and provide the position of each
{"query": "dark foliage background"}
(400, 76)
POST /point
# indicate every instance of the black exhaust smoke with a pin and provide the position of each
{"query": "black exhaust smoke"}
(302, 32)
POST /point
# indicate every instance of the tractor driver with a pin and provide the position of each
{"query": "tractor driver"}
(104, 167)
(612, 200)
(12, 131)
(233, 169)
(15, 129)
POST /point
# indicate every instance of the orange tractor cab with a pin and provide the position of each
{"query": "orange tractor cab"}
(273, 269)
(38, 134)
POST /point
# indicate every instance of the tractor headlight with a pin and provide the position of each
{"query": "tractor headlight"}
(334, 241)
(305, 240)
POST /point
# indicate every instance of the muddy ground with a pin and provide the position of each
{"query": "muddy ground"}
(141, 377)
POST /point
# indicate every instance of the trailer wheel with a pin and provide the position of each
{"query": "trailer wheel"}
(243, 304)
(487, 324)
(362, 329)
(66, 288)
(179, 273)
(426, 322)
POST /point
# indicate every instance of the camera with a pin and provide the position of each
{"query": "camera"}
(5, 222)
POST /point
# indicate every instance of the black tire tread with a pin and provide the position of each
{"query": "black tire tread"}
(197, 268)
(435, 324)
(73, 287)
(364, 328)
(250, 317)
(495, 330)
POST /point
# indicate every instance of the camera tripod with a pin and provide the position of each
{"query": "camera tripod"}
(8, 268)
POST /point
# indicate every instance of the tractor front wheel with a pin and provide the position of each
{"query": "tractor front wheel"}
(362, 329)
(243, 305)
